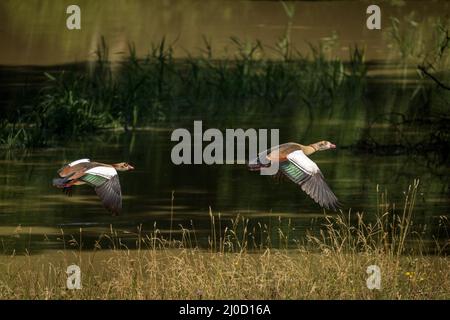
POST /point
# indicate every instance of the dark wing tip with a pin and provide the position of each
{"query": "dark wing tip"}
(335, 206)
(111, 195)
(316, 187)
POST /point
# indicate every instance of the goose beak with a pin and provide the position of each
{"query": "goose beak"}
(332, 146)
(130, 167)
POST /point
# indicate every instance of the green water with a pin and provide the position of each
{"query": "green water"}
(35, 33)
(33, 214)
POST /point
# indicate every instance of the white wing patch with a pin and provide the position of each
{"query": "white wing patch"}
(78, 161)
(304, 163)
(105, 172)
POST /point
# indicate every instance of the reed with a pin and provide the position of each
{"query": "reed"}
(155, 88)
(159, 89)
(243, 262)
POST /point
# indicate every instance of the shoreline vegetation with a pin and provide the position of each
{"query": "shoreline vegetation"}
(159, 89)
(242, 263)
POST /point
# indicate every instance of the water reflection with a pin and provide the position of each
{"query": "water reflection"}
(36, 34)
(42, 213)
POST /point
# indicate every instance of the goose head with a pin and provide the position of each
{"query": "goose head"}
(323, 145)
(122, 166)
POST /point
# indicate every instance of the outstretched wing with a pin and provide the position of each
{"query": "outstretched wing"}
(70, 168)
(276, 153)
(107, 186)
(111, 195)
(304, 172)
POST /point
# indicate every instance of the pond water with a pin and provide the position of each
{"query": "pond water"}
(36, 32)
(33, 214)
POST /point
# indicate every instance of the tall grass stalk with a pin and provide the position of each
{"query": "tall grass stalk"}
(237, 265)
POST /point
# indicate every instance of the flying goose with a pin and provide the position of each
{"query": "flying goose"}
(295, 164)
(103, 177)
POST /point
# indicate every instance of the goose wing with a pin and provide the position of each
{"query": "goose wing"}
(304, 172)
(111, 195)
(72, 172)
(107, 186)
(276, 153)
(73, 167)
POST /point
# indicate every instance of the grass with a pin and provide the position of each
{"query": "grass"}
(245, 263)
(190, 274)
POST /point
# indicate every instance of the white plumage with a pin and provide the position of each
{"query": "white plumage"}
(105, 172)
(78, 161)
(305, 164)
(300, 169)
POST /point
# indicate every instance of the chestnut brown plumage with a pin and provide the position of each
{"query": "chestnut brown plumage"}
(294, 163)
(103, 177)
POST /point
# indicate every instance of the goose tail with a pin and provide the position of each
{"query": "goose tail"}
(60, 182)
(256, 165)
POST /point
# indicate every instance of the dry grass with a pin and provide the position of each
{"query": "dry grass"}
(192, 274)
(328, 265)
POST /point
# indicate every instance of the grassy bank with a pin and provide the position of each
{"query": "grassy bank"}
(194, 274)
(246, 263)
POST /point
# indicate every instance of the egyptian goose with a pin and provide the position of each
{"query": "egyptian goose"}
(103, 177)
(295, 164)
